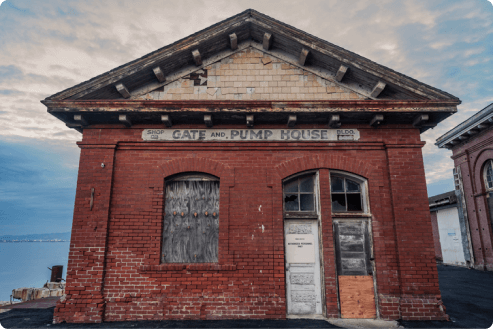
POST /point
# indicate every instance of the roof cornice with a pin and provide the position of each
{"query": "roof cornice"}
(462, 132)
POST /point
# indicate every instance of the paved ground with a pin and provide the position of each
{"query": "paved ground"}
(467, 294)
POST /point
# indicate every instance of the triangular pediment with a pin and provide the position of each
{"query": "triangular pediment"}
(250, 74)
(338, 67)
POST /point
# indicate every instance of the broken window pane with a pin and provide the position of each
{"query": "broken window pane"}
(354, 202)
(291, 186)
(291, 202)
(337, 184)
(306, 184)
(352, 186)
(489, 175)
(306, 202)
(338, 202)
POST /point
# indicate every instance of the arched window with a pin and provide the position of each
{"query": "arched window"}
(300, 196)
(488, 175)
(348, 193)
(191, 219)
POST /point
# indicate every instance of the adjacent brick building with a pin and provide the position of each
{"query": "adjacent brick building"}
(251, 170)
(471, 143)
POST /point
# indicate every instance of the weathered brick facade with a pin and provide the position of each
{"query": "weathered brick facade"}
(115, 269)
(471, 143)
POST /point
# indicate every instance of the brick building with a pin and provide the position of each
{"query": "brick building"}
(471, 143)
(251, 170)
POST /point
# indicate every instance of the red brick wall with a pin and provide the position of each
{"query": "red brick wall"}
(471, 157)
(114, 269)
(436, 236)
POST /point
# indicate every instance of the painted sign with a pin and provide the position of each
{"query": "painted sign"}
(300, 248)
(250, 135)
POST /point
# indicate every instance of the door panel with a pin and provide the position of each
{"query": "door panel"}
(303, 289)
(354, 270)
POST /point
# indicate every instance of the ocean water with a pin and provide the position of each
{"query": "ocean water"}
(25, 264)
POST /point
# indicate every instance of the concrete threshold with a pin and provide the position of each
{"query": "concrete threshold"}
(363, 323)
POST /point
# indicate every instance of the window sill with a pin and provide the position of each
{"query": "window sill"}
(350, 214)
(189, 267)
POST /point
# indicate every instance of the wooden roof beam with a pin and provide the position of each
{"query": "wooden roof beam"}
(78, 118)
(379, 87)
(341, 72)
(303, 55)
(233, 41)
(123, 118)
(267, 43)
(208, 120)
(159, 74)
(334, 121)
(122, 90)
(420, 120)
(165, 118)
(292, 120)
(376, 120)
(196, 57)
(249, 120)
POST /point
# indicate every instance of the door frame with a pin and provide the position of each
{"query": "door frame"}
(317, 217)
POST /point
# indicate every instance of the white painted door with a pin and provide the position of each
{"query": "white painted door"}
(450, 236)
(303, 289)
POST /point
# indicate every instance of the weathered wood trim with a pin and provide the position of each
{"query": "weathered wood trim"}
(166, 119)
(233, 41)
(197, 57)
(76, 126)
(341, 72)
(377, 120)
(334, 121)
(122, 90)
(79, 118)
(303, 55)
(420, 120)
(123, 118)
(377, 90)
(292, 120)
(208, 120)
(249, 120)
(159, 74)
(267, 42)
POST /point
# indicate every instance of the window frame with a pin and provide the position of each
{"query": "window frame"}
(487, 163)
(363, 183)
(301, 214)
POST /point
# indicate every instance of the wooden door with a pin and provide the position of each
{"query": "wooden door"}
(191, 222)
(303, 288)
(354, 269)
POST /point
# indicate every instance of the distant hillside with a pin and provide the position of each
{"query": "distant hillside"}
(30, 237)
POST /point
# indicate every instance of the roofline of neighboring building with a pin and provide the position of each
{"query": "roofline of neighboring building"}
(442, 200)
(479, 121)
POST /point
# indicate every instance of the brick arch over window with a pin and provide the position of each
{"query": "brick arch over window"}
(481, 159)
(338, 162)
(208, 166)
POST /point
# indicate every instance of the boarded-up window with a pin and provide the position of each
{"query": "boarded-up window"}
(352, 247)
(191, 220)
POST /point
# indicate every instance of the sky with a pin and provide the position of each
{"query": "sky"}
(49, 45)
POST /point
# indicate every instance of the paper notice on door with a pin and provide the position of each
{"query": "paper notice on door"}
(300, 248)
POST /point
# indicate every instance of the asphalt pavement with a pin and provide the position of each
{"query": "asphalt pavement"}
(466, 293)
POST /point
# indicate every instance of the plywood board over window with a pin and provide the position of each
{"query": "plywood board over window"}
(191, 220)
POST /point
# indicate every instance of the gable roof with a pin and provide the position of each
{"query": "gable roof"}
(253, 29)
(251, 25)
